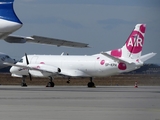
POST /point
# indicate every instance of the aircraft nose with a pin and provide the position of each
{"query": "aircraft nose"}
(12, 69)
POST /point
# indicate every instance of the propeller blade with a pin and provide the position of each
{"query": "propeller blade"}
(30, 76)
(26, 59)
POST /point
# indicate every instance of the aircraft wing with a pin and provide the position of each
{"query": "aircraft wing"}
(50, 69)
(12, 64)
(37, 67)
(44, 40)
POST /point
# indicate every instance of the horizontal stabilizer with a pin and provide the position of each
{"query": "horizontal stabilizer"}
(115, 58)
(44, 40)
(147, 56)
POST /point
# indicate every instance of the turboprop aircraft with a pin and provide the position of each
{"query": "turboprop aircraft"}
(108, 63)
(9, 23)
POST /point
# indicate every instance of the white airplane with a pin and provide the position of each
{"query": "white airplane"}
(9, 23)
(109, 63)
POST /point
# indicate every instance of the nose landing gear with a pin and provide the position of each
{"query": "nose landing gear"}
(91, 83)
(23, 83)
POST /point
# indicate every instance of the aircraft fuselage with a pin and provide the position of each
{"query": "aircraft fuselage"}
(75, 66)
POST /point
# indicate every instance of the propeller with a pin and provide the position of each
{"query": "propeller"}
(26, 59)
(30, 77)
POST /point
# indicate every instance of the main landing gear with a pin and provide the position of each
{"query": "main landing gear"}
(68, 81)
(23, 83)
(51, 83)
(91, 83)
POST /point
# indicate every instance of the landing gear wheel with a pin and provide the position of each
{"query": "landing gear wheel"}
(68, 81)
(50, 84)
(23, 84)
(91, 85)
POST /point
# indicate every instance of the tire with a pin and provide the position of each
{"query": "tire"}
(50, 84)
(24, 85)
(91, 84)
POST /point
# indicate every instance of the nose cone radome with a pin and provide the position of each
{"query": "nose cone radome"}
(12, 70)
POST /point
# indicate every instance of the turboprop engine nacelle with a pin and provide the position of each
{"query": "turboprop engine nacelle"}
(42, 70)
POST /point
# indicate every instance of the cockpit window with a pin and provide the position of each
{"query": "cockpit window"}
(7, 56)
(21, 60)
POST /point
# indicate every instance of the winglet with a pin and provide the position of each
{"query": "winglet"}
(7, 11)
(9, 22)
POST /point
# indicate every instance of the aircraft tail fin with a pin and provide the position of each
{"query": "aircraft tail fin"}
(133, 45)
(7, 11)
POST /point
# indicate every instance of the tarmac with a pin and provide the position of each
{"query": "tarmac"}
(80, 103)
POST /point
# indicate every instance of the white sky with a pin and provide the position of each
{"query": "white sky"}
(103, 24)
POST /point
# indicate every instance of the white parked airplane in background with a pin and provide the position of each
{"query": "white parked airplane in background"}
(9, 23)
(5, 58)
(113, 62)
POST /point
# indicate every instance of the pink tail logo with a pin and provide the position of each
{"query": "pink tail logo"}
(135, 41)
